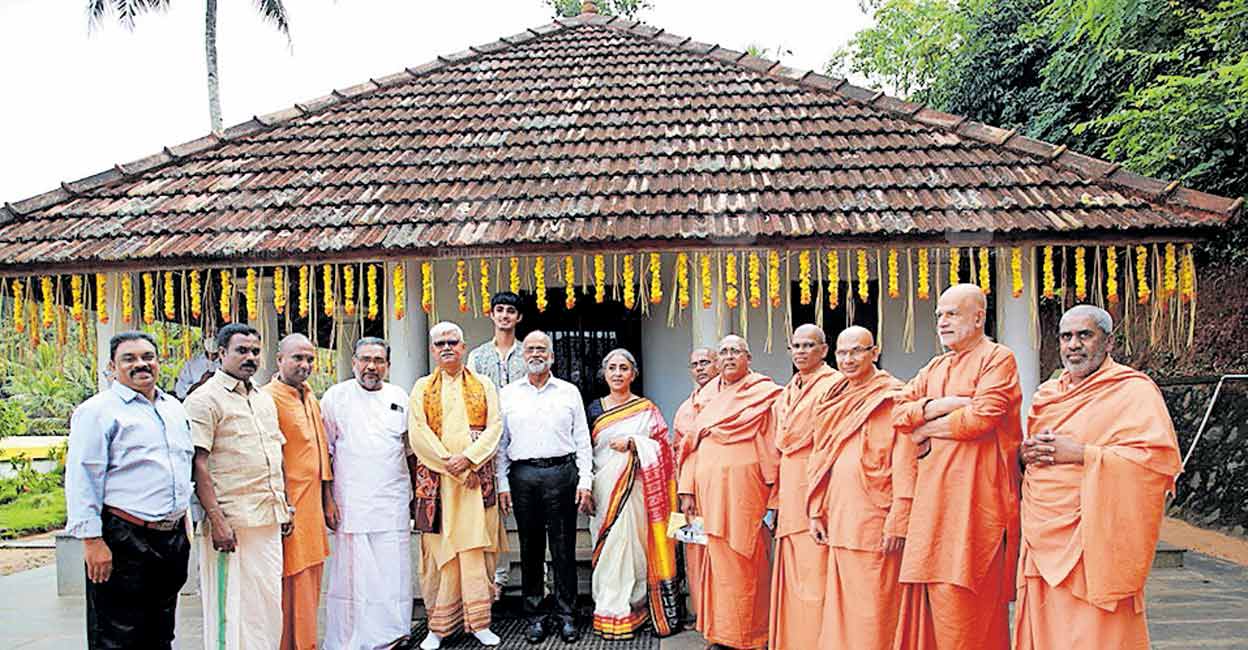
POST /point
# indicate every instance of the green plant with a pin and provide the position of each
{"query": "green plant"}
(32, 513)
(48, 387)
(12, 419)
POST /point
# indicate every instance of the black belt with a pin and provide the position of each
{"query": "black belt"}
(546, 462)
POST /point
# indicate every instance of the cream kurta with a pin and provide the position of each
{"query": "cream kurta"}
(465, 524)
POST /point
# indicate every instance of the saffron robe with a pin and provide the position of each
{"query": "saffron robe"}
(1090, 530)
(957, 570)
(861, 476)
(730, 468)
(798, 570)
(695, 554)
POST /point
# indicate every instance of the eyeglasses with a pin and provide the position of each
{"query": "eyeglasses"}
(446, 343)
(853, 352)
(704, 363)
(536, 349)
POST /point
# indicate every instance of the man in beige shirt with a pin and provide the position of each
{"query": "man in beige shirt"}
(238, 478)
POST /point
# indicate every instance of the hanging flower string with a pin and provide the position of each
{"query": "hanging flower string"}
(704, 261)
(327, 290)
(894, 281)
(149, 299)
(305, 280)
(732, 295)
(227, 290)
(864, 291)
(171, 310)
(1050, 282)
(253, 294)
(682, 280)
(19, 306)
(399, 285)
(1016, 272)
(426, 285)
(461, 286)
(630, 278)
(197, 294)
(756, 293)
(1081, 273)
(773, 278)
(569, 282)
(127, 299)
(803, 278)
(49, 314)
(656, 279)
(925, 285)
(955, 265)
(279, 290)
(985, 271)
(1111, 274)
(1171, 271)
(371, 286)
(1187, 275)
(101, 298)
(484, 270)
(513, 264)
(539, 282)
(348, 290)
(1142, 291)
(600, 278)
(76, 309)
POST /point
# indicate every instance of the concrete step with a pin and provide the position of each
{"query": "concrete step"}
(1168, 556)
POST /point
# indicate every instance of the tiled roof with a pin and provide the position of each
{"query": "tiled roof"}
(591, 131)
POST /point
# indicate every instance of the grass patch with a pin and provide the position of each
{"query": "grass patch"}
(32, 513)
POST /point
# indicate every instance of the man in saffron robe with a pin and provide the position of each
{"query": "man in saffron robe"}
(727, 480)
(703, 367)
(305, 459)
(797, 580)
(454, 428)
(962, 412)
(861, 476)
(1099, 460)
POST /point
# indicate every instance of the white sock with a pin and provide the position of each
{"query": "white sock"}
(486, 637)
(431, 642)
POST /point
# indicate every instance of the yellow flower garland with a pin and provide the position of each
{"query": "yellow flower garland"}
(1050, 283)
(461, 285)
(1016, 272)
(955, 265)
(197, 295)
(925, 286)
(253, 294)
(539, 282)
(894, 281)
(305, 280)
(76, 309)
(426, 285)
(227, 291)
(834, 279)
(484, 270)
(985, 271)
(630, 278)
(279, 290)
(1111, 274)
(656, 279)
(1142, 291)
(600, 279)
(49, 314)
(705, 261)
(1081, 273)
(1188, 275)
(682, 279)
(731, 293)
(149, 300)
(1171, 282)
(127, 299)
(19, 306)
(569, 282)
(864, 291)
(398, 281)
(327, 290)
(803, 278)
(756, 294)
(773, 278)
(374, 305)
(514, 265)
(101, 298)
(348, 289)
(171, 310)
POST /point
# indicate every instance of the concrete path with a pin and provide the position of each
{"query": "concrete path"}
(1202, 605)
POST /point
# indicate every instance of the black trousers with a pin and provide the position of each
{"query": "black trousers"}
(544, 499)
(134, 609)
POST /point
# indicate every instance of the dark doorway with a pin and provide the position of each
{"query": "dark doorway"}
(583, 335)
(865, 314)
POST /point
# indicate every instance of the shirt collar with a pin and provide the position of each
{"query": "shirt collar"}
(231, 383)
(528, 381)
(128, 394)
(300, 392)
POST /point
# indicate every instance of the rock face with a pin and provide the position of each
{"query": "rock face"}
(1213, 490)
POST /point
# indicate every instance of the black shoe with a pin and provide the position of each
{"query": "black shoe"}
(569, 633)
(536, 632)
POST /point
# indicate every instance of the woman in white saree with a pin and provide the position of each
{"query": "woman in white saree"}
(634, 578)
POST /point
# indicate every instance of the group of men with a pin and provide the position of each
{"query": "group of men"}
(849, 509)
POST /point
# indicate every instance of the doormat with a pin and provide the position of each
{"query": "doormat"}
(511, 630)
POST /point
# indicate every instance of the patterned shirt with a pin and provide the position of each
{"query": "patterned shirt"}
(484, 360)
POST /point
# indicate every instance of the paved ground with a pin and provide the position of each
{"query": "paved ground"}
(1202, 605)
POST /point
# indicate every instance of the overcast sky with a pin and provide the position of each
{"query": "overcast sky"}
(74, 102)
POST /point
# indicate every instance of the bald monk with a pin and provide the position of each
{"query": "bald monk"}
(962, 412)
(1101, 457)
(703, 367)
(797, 579)
(861, 475)
(727, 480)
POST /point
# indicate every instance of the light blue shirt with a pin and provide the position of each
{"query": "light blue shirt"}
(129, 453)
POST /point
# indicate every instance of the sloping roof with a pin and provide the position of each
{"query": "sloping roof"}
(590, 131)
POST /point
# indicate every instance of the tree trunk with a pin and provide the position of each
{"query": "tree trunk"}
(210, 51)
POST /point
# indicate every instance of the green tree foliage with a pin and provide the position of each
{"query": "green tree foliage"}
(625, 8)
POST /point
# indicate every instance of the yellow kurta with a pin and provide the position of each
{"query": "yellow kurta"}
(466, 524)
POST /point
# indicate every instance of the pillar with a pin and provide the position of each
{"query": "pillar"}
(409, 337)
(266, 323)
(346, 333)
(1017, 324)
(105, 331)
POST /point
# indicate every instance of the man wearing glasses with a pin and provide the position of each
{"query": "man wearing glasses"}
(800, 563)
(545, 468)
(727, 481)
(703, 367)
(368, 603)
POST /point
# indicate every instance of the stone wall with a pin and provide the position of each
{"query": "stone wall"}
(1213, 490)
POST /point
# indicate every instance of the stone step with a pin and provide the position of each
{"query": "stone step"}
(1168, 556)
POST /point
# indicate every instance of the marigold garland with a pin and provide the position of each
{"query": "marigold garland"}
(374, 305)
(426, 285)
(398, 283)
(864, 290)
(682, 280)
(985, 271)
(1171, 276)
(1081, 273)
(327, 290)
(803, 278)
(925, 285)
(569, 282)
(484, 271)
(1016, 272)
(348, 290)
(894, 281)
(656, 279)
(834, 279)
(600, 278)
(539, 283)
(49, 314)
(514, 277)
(955, 265)
(1050, 282)
(279, 290)
(773, 278)
(149, 299)
(305, 281)
(171, 310)
(1187, 275)
(705, 261)
(731, 293)
(76, 309)
(127, 299)
(253, 294)
(756, 294)
(1111, 274)
(1141, 274)
(197, 295)
(19, 306)
(461, 286)
(227, 291)
(630, 277)
(101, 298)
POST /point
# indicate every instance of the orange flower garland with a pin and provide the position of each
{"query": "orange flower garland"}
(834, 279)
(426, 285)
(600, 279)
(227, 291)
(348, 290)
(374, 305)
(756, 294)
(461, 286)
(985, 272)
(253, 294)
(1187, 275)
(127, 299)
(398, 283)
(682, 280)
(630, 279)
(514, 274)
(76, 309)
(149, 299)
(484, 270)
(1016, 272)
(197, 295)
(1111, 274)
(305, 281)
(171, 310)
(1141, 275)
(19, 306)
(864, 290)
(1171, 278)
(49, 298)
(569, 282)
(656, 279)
(1050, 282)
(327, 290)
(925, 285)
(955, 265)
(1081, 273)
(279, 290)
(773, 278)
(894, 281)
(705, 261)
(101, 298)
(803, 278)
(539, 283)
(732, 295)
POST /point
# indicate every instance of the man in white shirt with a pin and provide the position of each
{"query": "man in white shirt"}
(545, 468)
(199, 367)
(368, 603)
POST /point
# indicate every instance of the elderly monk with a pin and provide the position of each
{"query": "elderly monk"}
(962, 410)
(727, 480)
(861, 476)
(703, 367)
(797, 580)
(454, 428)
(305, 460)
(1101, 457)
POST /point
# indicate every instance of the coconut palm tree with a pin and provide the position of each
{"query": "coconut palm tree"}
(272, 11)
